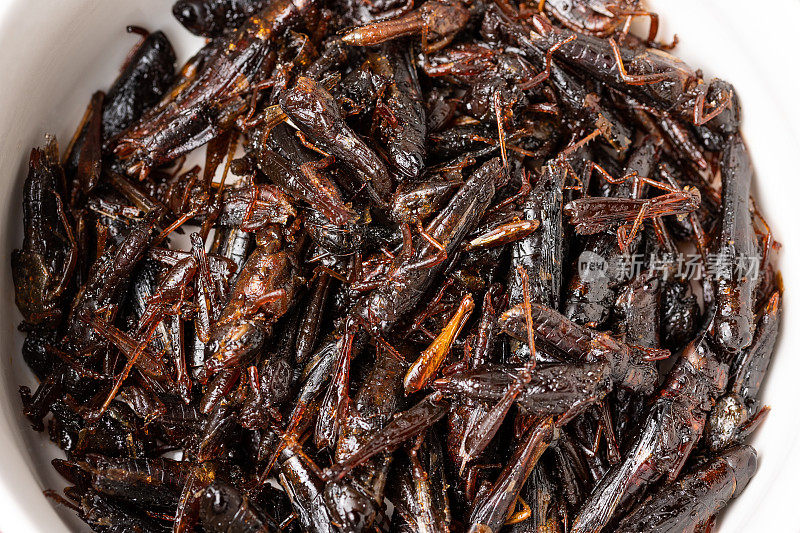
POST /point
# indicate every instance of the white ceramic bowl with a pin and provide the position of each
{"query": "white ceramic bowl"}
(55, 53)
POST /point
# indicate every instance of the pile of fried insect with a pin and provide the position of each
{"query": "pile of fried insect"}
(482, 266)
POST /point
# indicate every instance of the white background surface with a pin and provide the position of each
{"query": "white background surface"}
(55, 53)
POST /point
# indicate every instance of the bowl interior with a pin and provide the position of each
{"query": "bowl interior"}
(54, 55)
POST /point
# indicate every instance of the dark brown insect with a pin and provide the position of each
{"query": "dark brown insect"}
(429, 278)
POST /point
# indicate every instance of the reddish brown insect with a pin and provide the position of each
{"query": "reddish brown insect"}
(294, 318)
